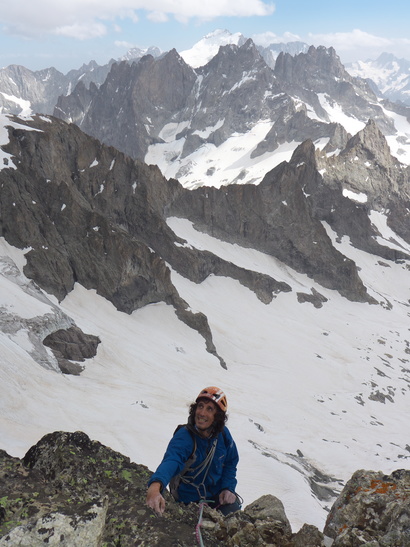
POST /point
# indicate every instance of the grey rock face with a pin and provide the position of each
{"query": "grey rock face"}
(228, 96)
(145, 97)
(366, 169)
(134, 103)
(20, 86)
(275, 217)
(94, 216)
(76, 224)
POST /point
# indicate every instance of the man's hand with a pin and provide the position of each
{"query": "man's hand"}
(154, 498)
(227, 497)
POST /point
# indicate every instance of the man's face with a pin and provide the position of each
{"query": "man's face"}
(205, 414)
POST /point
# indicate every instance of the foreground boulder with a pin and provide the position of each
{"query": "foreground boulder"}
(71, 491)
(84, 489)
(373, 510)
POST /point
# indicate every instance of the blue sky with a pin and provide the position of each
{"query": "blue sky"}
(68, 33)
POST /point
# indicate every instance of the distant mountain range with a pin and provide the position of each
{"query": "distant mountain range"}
(234, 118)
(389, 75)
(23, 91)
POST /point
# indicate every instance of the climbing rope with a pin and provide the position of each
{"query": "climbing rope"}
(204, 468)
(198, 526)
(202, 503)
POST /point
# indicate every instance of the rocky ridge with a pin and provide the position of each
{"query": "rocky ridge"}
(91, 215)
(71, 490)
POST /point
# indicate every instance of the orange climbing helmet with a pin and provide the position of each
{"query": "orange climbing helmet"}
(216, 395)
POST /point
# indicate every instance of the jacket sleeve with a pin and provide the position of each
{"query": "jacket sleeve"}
(228, 479)
(178, 451)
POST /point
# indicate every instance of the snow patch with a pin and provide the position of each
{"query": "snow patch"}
(22, 103)
(360, 197)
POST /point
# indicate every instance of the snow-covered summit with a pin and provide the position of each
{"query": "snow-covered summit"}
(204, 50)
(136, 53)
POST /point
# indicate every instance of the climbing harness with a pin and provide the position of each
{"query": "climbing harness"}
(194, 471)
(204, 468)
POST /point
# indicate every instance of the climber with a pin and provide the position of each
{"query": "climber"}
(201, 459)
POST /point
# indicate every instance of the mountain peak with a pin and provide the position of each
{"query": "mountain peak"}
(136, 53)
(372, 140)
(204, 50)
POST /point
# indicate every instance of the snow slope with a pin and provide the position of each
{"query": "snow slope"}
(307, 388)
(231, 161)
(209, 165)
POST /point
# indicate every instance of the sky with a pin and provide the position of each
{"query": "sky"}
(68, 33)
(299, 379)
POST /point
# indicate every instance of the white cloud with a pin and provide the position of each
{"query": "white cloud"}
(158, 17)
(345, 41)
(357, 44)
(82, 31)
(267, 38)
(83, 18)
(123, 44)
(351, 46)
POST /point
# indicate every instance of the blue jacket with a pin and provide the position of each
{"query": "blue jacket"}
(221, 474)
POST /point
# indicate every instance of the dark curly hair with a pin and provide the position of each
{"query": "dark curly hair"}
(220, 420)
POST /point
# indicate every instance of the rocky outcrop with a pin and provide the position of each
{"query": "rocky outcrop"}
(47, 326)
(81, 486)
(372, 510)
(295, 125)
(364, 177)
(70, 490)
(72, 107)
(72, 344)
